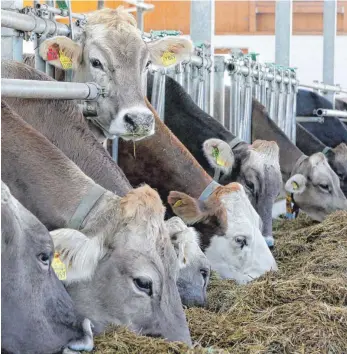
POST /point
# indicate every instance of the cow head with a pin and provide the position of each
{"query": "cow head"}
(316, 187)
(110, 51)
(131, 271)
(230, 231)
(194, 266)
(337, 158)
(37, 314)
(254, 166)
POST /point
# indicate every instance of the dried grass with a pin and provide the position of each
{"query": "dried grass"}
(300, 309)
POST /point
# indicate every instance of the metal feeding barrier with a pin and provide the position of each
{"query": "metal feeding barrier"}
(272, 85)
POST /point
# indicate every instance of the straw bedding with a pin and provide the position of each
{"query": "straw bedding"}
(300, 309)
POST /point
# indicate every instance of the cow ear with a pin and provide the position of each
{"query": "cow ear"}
(186, 207)
(219, 154)
(61, 52)
(296, 184)
(176, 227)
(79, 253)
(170, 51)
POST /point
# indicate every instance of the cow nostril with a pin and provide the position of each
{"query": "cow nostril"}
(129, 120)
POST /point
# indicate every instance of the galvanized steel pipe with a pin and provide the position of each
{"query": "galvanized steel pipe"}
(29, 23)
(324, 87)
(59, 12)
(310, 119)
(322, 112)
(50, 89)
(267, 76)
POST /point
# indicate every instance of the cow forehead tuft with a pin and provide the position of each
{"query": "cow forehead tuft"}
(317, 159)
(268, 151)
(113, 19)
(229, 188)
(142, 203)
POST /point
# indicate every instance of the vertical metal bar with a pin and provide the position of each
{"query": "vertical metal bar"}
(115, 149)
(11, 42)
(50, 70)
(100, 4)
(281, 104)
(179, 73)
(158, 93)
(139, 16)
(202, 28)
(219, 88)
(283, 30)
(329, 33)
(246, 125)
(187, 78)
(234, 118)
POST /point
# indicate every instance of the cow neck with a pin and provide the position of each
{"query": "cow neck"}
(88, 202)
(266, 129)
(63, 124)
(307, 142)
(47, 183)
(163, 162)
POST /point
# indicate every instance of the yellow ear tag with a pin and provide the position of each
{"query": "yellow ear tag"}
(59, 267)
(65, 61)
(220, 162)
(178, 203)
(168, 58)
(295, 185)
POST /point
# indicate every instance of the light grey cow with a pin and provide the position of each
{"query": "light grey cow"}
(110, 51)
(315, 186)
(37, 314)
(195, 268)
(123, 257)
(63, 124)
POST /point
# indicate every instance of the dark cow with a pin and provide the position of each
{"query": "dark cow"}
(337, 157)
(37, 314)
(332, 132)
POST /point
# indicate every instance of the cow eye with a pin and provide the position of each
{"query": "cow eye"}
(241, 241)
(204, 273)
(44, 258)
(148, 64)
(144, 284)
(250, 186)
(96, 63)
(325, 187)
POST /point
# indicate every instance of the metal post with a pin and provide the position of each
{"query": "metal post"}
(329, 32)
(11, 42)
(202, 28)
(139, 16)
(219, 88)
(283, 30)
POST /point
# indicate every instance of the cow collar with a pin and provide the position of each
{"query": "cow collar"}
(85, 206)
(326, 150)
(209, 190)
(234, 142)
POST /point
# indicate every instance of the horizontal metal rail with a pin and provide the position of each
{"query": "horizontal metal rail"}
(324, 87)
(59, 12)
(255, 73)
(322, 112)
(30, 23)
(313, 119)
(50, 89)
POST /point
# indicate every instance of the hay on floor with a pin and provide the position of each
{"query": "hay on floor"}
(300, 309)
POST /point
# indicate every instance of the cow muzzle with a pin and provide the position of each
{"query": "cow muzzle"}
(138, 124)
